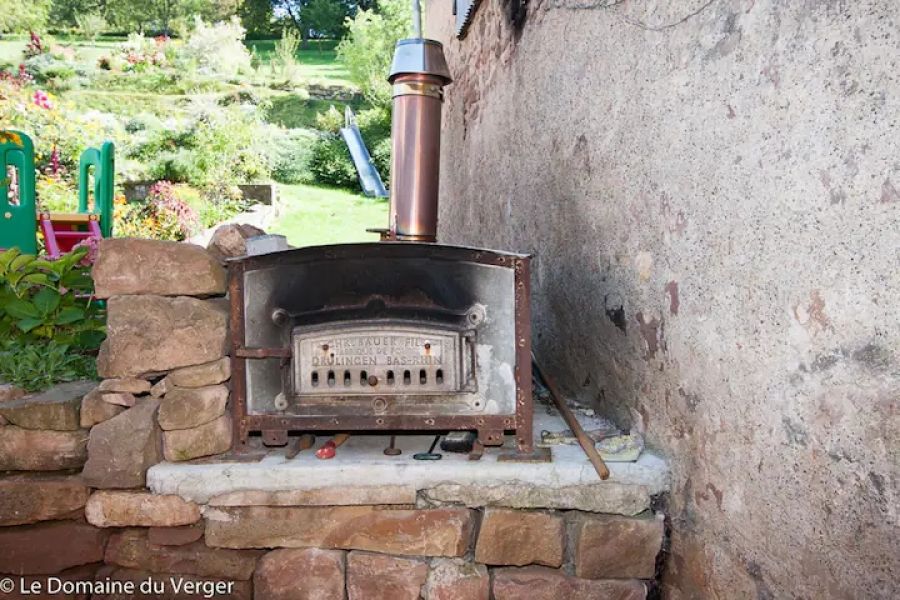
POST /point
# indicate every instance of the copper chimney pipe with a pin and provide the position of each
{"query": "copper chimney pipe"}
(418, 73)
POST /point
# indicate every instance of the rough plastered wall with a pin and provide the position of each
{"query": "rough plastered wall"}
(712, 192)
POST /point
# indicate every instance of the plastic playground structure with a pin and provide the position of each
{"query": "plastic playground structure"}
(19, 218)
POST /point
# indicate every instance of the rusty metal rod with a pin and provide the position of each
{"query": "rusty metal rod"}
(587, 444)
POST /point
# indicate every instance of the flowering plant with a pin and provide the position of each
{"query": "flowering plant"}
(139, 53)
(42, 99)
(164, 216)
(35, 46)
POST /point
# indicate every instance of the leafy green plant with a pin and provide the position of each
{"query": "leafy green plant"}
(331, 164)
(91, 24)
(35, 367)
(212, 145)
(286, 55)
(220, 203)
(290, 152)
(23, 16)
(218, 48)
(368, 48)
(44, 300)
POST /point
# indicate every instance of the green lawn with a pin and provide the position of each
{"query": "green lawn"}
(317, 63)
(313, 215)
(89, 52)
(11, 51)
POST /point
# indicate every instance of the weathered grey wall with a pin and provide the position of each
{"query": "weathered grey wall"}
(712, 192)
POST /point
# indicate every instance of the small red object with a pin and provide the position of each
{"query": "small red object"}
(328, 450)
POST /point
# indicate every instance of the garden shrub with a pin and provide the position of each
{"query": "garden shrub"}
(90, 24)
(213, 144)
(290, 155)
(330, 121)
(55, 193)
(374, 124)
(143, 122)
(43, 300)
(381, 157)
(218, 49)
(50, 70)
(330, 162)
(163, 216)
(140, 53)
(53, 125)
(286, 56)
(219, 203)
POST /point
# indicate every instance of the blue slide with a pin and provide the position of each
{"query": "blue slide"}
(369, 178)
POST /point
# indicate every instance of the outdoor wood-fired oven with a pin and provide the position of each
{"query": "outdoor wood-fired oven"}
(398, 335)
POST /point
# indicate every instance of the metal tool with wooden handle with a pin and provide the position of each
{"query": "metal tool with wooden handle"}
(587, 444)
(299, 444)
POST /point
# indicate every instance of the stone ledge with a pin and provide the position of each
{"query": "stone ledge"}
(569, 482)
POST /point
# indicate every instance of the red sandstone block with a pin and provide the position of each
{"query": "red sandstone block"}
(33, 497)
(517, 537)
(541, 583)
(132, 549)
(430, 532)
(175, 536)
(300, 574)
(380, 577)
(456, 579)
(617, 547)
(49, 548)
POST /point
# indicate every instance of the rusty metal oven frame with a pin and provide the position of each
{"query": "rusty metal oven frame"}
(274, 429)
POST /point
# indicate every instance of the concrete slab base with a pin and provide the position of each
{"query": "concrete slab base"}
(568, 482)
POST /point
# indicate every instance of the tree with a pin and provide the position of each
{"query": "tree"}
(256, 16)
(91, 25)
(368, 48)
(160, 15)
(325, 17)
(18, 16)
(65, 13)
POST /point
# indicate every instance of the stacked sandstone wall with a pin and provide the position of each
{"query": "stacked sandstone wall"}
(74, 504)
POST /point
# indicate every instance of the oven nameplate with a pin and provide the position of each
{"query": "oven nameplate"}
(389, 358)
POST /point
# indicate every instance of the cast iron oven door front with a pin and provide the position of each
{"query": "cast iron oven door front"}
(381, 336)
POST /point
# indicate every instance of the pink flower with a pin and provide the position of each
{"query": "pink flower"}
(42, 99)
(92, 244)
(54, 161)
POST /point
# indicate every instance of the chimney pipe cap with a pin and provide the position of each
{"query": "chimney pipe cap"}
(418, 55)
